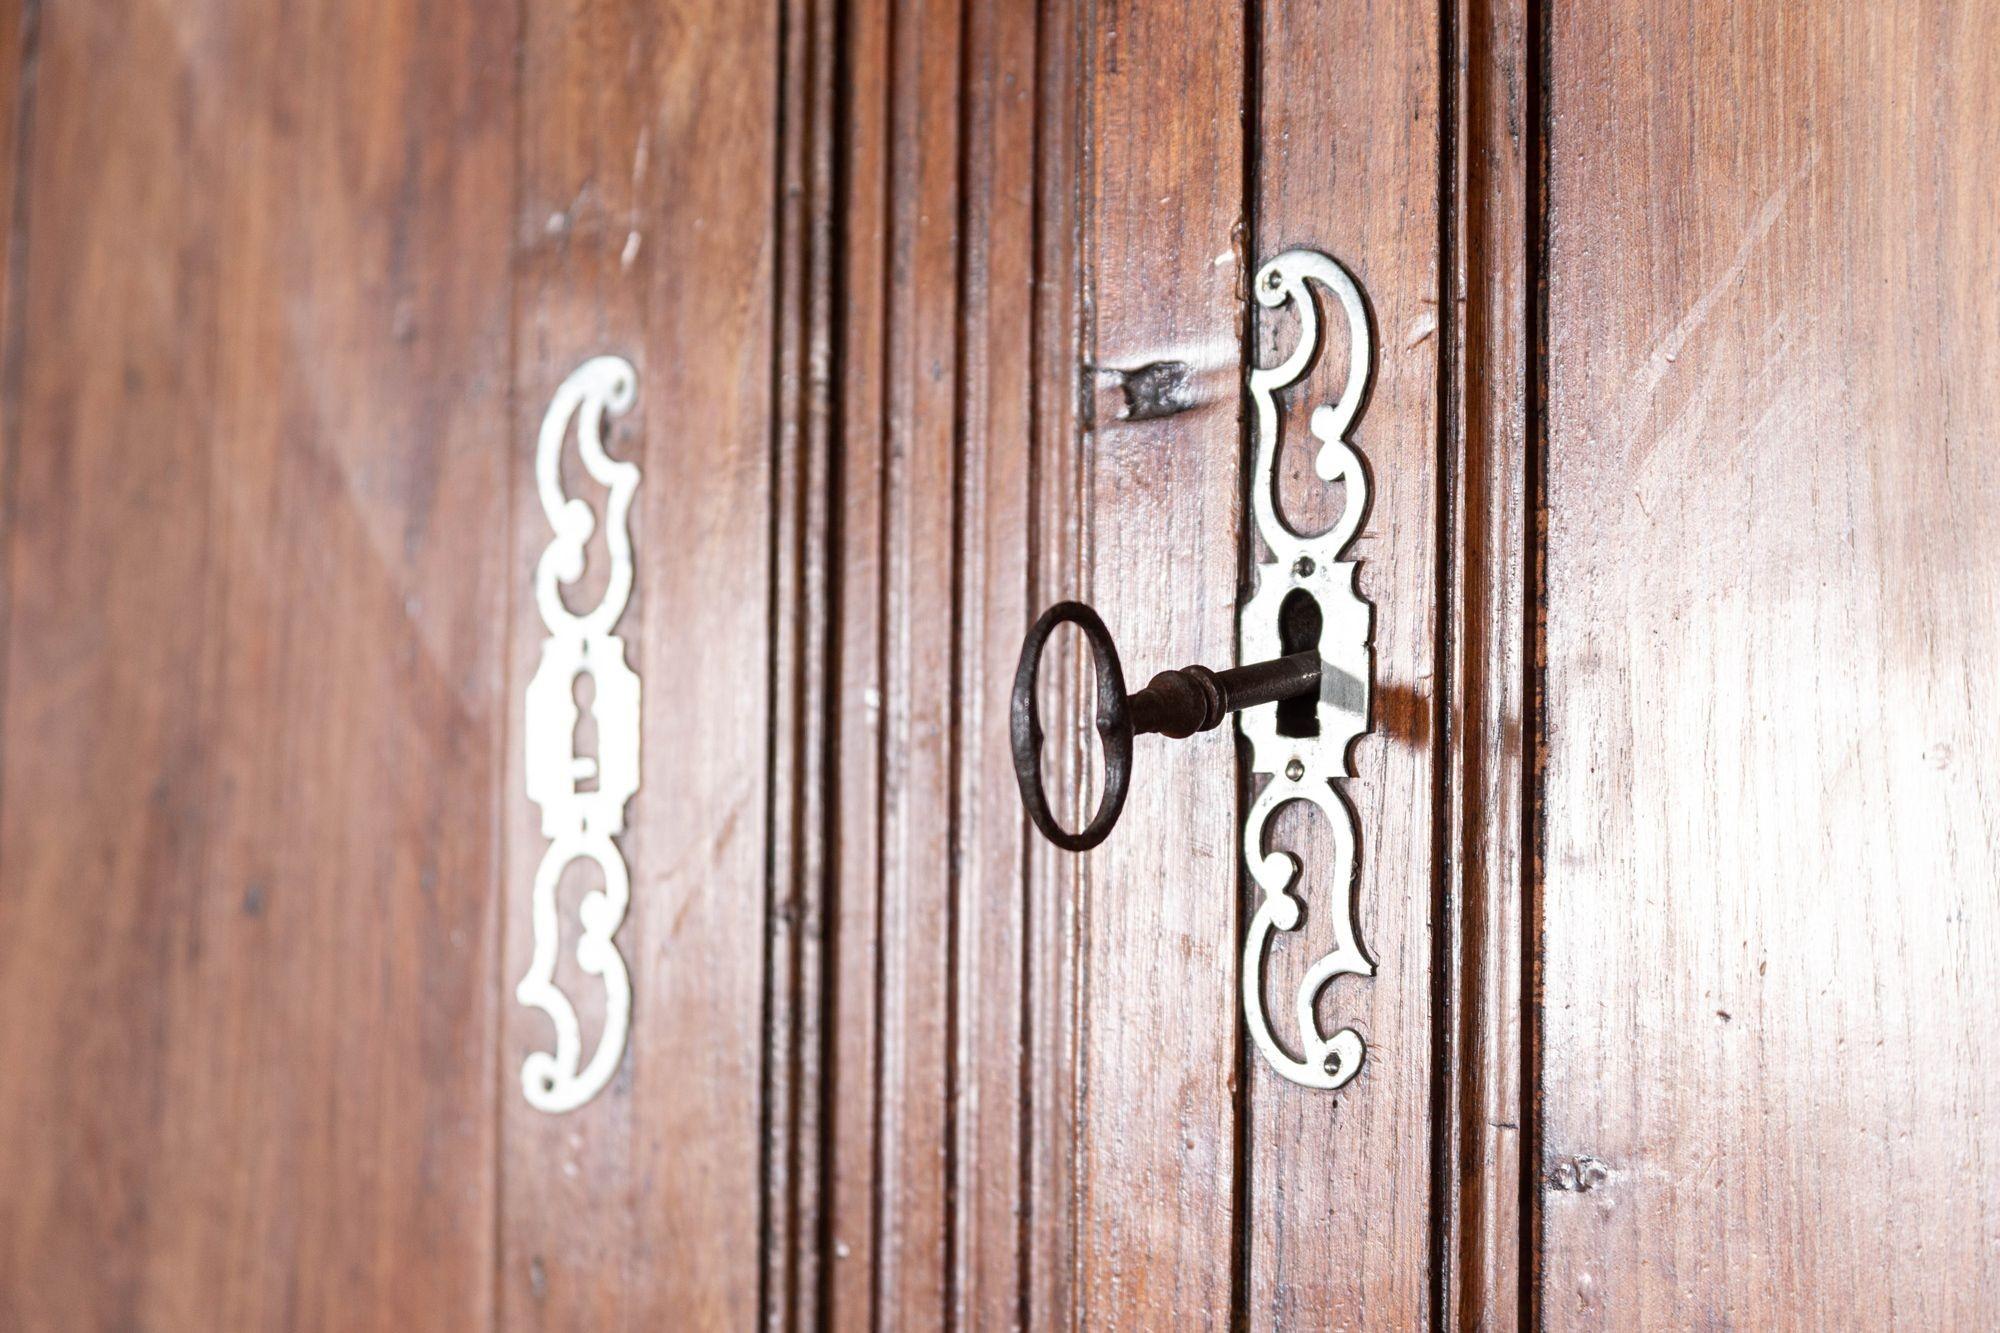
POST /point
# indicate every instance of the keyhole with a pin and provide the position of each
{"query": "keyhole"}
(583, 741)
(1299, 622)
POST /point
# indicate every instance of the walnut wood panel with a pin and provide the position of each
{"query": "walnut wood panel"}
(18, 27)
(1339, 1189)
(917, 895)
(1158, 919)
(253, 688)
(1770, 929)
(644, 227)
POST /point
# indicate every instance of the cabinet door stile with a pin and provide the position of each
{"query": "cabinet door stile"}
(1158, 924)
(644, 229)
(1348, 161)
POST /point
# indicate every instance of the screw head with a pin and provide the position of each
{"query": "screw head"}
(1304, 567)
(1295, 770)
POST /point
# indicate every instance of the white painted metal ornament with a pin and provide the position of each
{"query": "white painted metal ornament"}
(582, 796)
(1304, 768)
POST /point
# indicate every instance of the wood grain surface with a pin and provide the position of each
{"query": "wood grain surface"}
(1157, 1048)
(990, 1054)
(257, 439)
(1770, 924)
(898, 460)
(892, 1061)
(1678, 846)
(1339, 1192)
(644, 226)
(804, 701)
(1484, 329)
(1056, 553)
(929, 1114)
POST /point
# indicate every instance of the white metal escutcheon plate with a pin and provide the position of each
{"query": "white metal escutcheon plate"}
(1303, 767)
(582, 796)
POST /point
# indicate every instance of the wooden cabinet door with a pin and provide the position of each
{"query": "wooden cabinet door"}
(288, 290)
(1677, 860)
(288, 287)
(1770, 890)
(1043, 1107)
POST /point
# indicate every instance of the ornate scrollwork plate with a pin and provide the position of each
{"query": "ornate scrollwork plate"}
(582, 796)
(1303, 767)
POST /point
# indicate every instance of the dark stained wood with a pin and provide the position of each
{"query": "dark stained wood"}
(1158, 920)
(949, 1199)
(900, 464)
(804, 715)
(858, 555)
(1339, 1195)
(17, 83)
(941, 219)
(1773, 612)
(645, 227)
(1485, 402)
(1055, 553)
(918, 892)
(253, 689)
(1698, 771)
(989, 999)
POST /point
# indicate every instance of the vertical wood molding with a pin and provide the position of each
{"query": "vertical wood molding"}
(933, 1086)
(993, 524)
(853, 1015)
(1057, 549)
(1484, 396)
(900, 461)
(1539, 206)
(805, 718)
